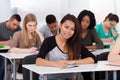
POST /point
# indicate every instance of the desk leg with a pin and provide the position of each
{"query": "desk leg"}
(5, 69)
(106, 75)
(30, 75)
(14, 70)
(115, 75)
(43, 77)
(93, 75)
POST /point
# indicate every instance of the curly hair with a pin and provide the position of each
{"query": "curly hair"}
(90, 15)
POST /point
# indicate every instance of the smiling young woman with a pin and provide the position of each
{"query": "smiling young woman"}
(64, 49)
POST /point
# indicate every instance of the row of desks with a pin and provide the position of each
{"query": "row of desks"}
(13, 56)
(43, 70)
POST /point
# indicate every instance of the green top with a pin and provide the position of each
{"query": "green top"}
(102, 34)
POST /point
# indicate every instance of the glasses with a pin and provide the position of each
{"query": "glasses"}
(111, 23)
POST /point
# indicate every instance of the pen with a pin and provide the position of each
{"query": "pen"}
(10, 37)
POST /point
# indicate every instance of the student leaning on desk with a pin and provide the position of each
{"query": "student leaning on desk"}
(114, 56)
(107, 29)
(64, 49)
(89, 35)
(7, 29)
(26, 40)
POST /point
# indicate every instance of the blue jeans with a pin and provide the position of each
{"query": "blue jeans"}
(1, 67)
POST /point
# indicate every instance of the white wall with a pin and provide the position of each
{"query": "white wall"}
(76, 6)
(58, 7)
(39, 7)
(117, 10)
(102, 8)
(4, 10)
(43, 7)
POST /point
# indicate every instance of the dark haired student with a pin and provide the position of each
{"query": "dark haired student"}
(89, 35)
(107, 30)
(51, 26)
(7, 29)
(64, 49)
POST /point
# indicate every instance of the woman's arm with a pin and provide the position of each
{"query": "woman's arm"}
(14, 49)
(114, 34)
(107, 40)
(91, 47)
(87, 60)
(44, 62)
(8, 42)
(96, 40)
(114, 54)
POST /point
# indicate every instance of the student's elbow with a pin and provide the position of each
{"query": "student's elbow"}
(100, 46)
(37, 61)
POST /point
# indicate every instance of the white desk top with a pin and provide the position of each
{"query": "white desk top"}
(16, 55)
(99, 51)
(100, 66)
(108, 43)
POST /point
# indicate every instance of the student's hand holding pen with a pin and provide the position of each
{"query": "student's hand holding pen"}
(8, 42)
(33, 49)
(65, 64)
(61, 64)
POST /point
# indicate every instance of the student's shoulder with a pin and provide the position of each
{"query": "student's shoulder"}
(98, 25)
(18, 33)
(2, 24)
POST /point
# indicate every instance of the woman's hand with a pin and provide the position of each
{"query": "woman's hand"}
(116, 63)
(72, 61)
(110, 40)
(33, 49)
(61, 64)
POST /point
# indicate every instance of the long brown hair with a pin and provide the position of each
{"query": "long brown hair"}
(73, 43)
(28, 18)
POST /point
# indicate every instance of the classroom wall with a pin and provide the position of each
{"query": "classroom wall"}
(102, 8)
(58, 7)
(4, 10)
(43, 7)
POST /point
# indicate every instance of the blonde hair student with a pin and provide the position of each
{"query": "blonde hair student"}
(27, 40)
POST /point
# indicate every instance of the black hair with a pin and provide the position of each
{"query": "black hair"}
(73, 43)
(16, 16)
(90, 15)
(112, 17)
(50, 19)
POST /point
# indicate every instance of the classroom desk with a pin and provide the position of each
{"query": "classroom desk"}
(5, 47)
(109, 43)
(14, 56)
(43, 71)
(100, 51)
